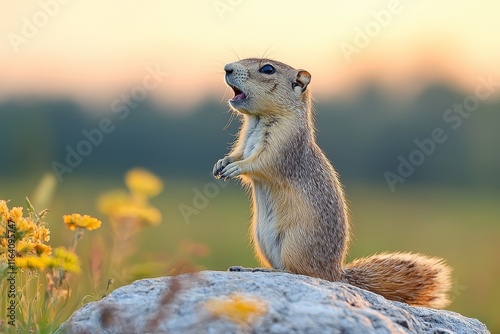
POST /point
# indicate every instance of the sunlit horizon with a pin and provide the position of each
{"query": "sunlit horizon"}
(94, 52)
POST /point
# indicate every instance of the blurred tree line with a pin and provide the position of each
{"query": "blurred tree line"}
(364, 136)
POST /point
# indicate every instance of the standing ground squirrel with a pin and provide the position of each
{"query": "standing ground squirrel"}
(300, 216)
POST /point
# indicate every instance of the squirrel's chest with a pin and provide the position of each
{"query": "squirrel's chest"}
(265, 231)
(254, 139)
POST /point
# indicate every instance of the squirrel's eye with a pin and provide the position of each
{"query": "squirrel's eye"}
(267, 69)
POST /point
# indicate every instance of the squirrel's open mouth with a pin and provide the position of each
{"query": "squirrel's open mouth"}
(238, 94)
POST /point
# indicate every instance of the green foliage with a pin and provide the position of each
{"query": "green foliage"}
(363, 136)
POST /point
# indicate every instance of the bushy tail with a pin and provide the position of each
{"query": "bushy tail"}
(411, 278)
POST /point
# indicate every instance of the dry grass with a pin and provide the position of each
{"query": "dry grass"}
(44, 279)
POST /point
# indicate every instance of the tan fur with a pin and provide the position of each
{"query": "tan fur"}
(412, 278)
(300, 216)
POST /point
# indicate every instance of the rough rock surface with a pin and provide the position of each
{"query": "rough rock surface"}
(294, 304)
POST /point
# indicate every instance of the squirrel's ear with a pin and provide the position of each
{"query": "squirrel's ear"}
(302, 80)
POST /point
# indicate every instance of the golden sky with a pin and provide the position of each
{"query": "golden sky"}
(97, 50)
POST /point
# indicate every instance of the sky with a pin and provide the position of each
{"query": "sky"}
(96, 51)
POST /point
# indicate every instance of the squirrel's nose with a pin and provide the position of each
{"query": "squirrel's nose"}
(229, 69)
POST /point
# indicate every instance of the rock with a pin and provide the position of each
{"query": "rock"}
(258, 302)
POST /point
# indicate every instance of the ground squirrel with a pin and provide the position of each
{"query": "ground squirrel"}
(300, 216)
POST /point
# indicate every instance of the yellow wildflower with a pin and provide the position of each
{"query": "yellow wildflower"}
(76, 220)
(144, 213)
(4, 210)
(143, 182)
(118, 205)
(25, 227)
(62, 259)
(42, 249)
(41, 234)
(31, 262)
(237, 308)
(112, 201)
(16, 214)
(24, 247)
(150, 215)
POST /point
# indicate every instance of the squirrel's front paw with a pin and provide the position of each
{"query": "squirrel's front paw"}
(220, 165)
(231, 170)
